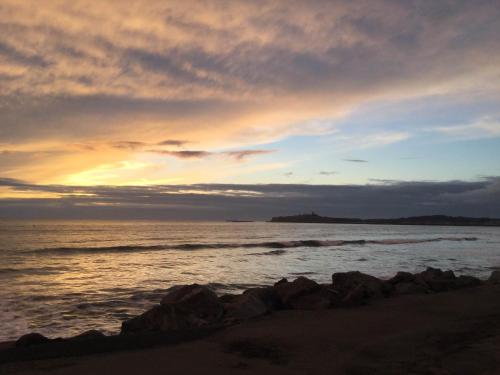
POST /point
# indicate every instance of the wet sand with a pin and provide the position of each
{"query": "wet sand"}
(455, 332)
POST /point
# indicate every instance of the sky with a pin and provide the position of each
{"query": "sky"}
(242, 109)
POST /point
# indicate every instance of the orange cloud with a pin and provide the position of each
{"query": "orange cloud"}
(101, 81)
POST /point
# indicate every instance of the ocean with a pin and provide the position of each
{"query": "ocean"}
(61, 278)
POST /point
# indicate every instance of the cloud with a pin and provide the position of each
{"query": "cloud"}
(243, 154)
(225, 75)
(327, 173)
(239, 155)
(220, 201)
(288, 174)
(485, 127)
(172, 142)
(128, 145)
(356, 160)
(185, 154)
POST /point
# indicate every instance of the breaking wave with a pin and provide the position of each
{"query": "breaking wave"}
(269, 245)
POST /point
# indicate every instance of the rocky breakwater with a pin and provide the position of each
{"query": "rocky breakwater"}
(195, 307)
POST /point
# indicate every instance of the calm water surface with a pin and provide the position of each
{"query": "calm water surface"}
(62, 278)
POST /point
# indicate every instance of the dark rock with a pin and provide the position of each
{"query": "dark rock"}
(409, 288)
(357, 296)
(159, 318)
(196, 300)
(437, 280)
(89, 335)
(322, 298)
(345, 282)
(268, 295)
(407, 283)
(289, 291)
(189, 306)
(467, 282)
(32, 339)
(432, 274)
(246, 306)
(494, 277)
(283, 280)
(402, 277)
(228, 298)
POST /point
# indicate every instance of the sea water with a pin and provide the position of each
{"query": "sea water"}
(61, 278)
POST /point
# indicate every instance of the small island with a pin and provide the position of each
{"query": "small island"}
(414, 220)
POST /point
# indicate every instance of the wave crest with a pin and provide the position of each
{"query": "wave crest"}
(270, 245)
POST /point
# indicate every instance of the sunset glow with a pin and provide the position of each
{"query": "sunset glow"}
(317, 93)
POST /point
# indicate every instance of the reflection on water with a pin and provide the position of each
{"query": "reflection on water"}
(61, 278)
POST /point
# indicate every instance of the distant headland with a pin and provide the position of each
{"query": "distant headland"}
(414, 220)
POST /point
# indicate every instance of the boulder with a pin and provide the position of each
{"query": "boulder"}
(283, 280)
(436, 279)
(228, 298)
(32, 339)
(402, 277)
(89, 335)
(290, 291)
(345, 282)
(195, 300)
(409, 288)
(467, 282)
(245, 306)
(322, 298)
(407, 283)
(357, 296)
(268, 295)
(189, 306)
(158, 318)
(494, 277)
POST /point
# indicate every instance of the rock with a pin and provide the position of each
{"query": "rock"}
(494, 277)
(432, 274)
(196, 300)
(283, 280)
(246, 306)
(322, 298)
(467, 282)
(402, 277)
(268, 295)
(436, 279)
(345, 282)
(32, 339)
(228, 298)
(407, 283)
(89, 335)
(409, 288)
(357, 296)
(158, 318)
(189, 306)
(288, 291)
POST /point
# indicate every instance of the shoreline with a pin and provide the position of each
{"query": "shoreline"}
(189, 316)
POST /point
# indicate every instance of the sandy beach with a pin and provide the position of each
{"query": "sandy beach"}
(454, 332)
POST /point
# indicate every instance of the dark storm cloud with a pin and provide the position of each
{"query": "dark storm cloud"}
(220, 201)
